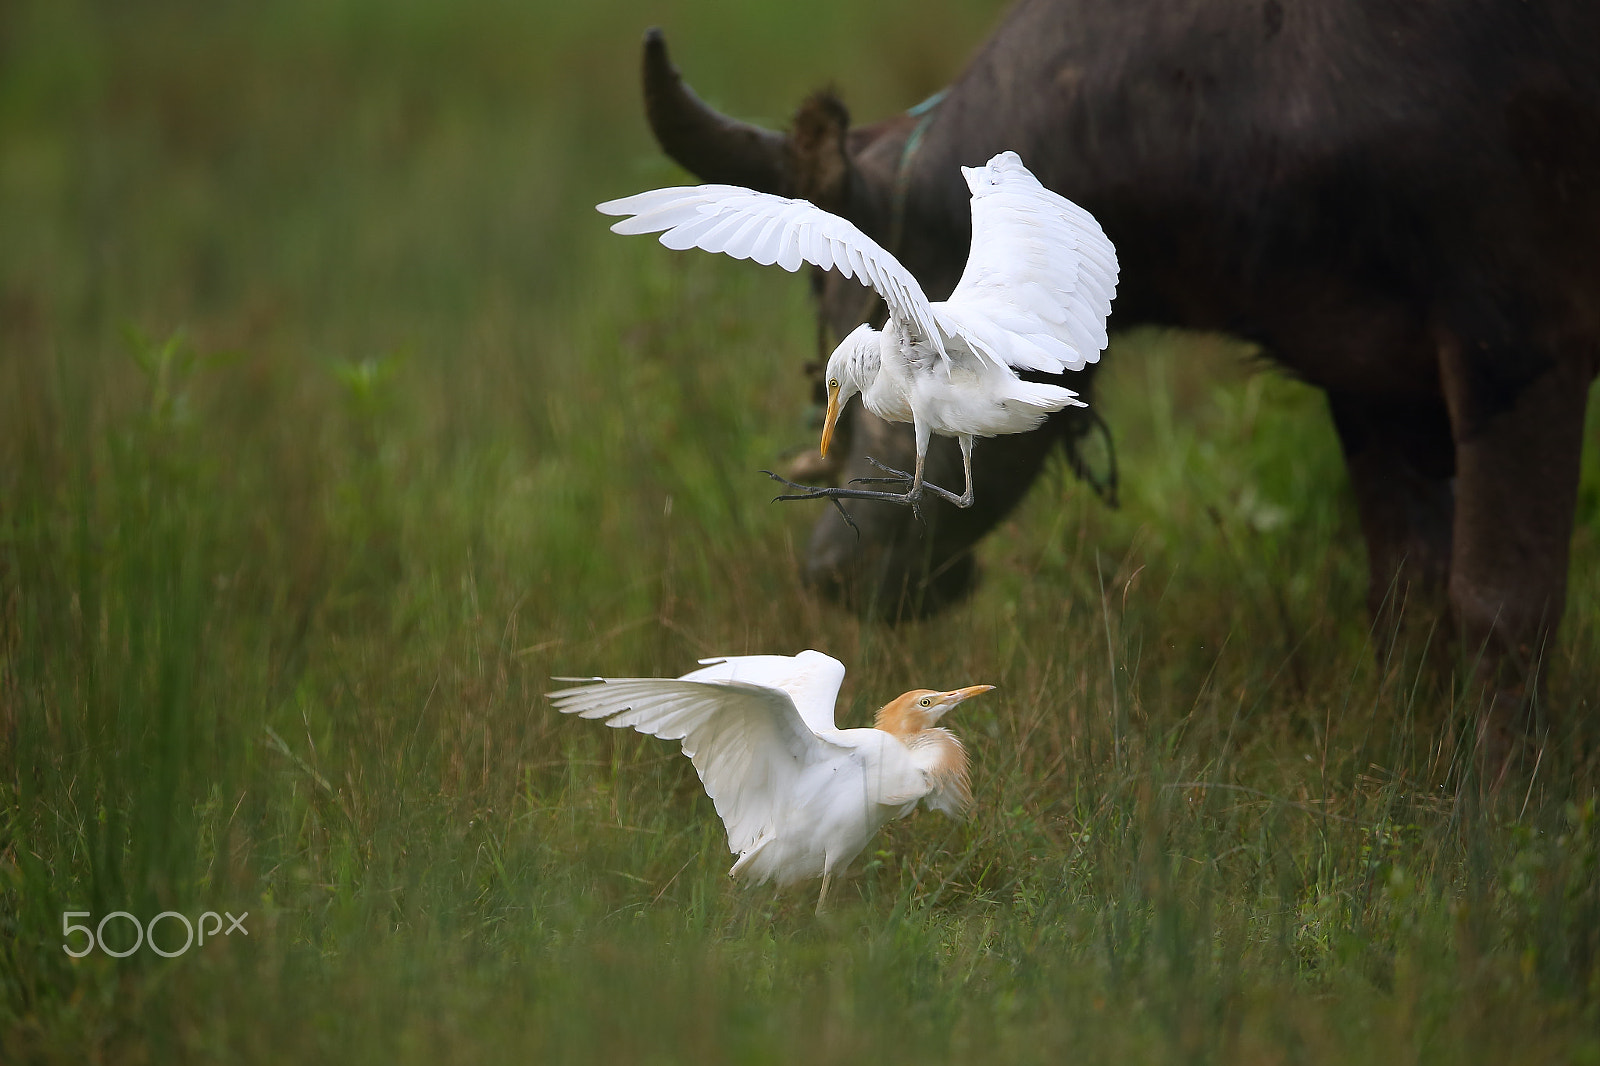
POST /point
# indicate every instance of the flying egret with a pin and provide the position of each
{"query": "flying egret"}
(1035, 294)
(799, 797)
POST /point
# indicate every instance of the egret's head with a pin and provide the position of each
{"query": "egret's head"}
(920, 708)
(851, 366)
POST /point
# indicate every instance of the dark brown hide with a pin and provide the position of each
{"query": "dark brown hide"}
(1399, 202)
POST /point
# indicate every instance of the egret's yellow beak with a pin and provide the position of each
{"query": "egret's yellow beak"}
(946, 701)
(832, 418)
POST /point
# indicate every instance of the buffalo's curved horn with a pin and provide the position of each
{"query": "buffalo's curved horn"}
(709, 145)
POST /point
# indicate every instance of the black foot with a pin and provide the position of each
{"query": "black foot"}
(898, 475)
(828, 492)
(950, 497)
(902, 476)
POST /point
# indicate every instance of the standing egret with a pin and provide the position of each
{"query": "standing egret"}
(799, 797)
(1035, 294)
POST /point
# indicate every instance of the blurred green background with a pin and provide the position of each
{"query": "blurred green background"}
(333, 422)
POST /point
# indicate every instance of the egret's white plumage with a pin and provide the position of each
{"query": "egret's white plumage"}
(799, 797)
(1035, 294)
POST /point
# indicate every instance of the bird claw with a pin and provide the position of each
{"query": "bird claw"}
(806, 491)
(899, 475)
(810, 492)
(837, 493)
(851, 522)
(948, 496)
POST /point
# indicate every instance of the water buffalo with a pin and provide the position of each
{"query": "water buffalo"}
(1399, 202)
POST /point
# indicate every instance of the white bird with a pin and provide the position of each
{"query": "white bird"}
(1035, 294)
(798, 796)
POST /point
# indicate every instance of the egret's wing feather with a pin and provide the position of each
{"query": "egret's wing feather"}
(1040, 276)
(811, 679)
(774, 229)
(748, 743)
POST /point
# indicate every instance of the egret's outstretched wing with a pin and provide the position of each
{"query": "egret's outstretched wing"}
(811, 679)
(748, 742)
(1040, 277)
(774, 229)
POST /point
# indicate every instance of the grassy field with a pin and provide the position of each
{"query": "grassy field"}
(333, 422)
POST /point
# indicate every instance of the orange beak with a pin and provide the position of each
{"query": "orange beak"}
(947, 701)
(832, 419)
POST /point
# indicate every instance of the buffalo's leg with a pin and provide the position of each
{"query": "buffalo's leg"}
(1401, 461)
(1518, 438)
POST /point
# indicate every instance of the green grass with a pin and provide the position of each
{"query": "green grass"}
(333, 423)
